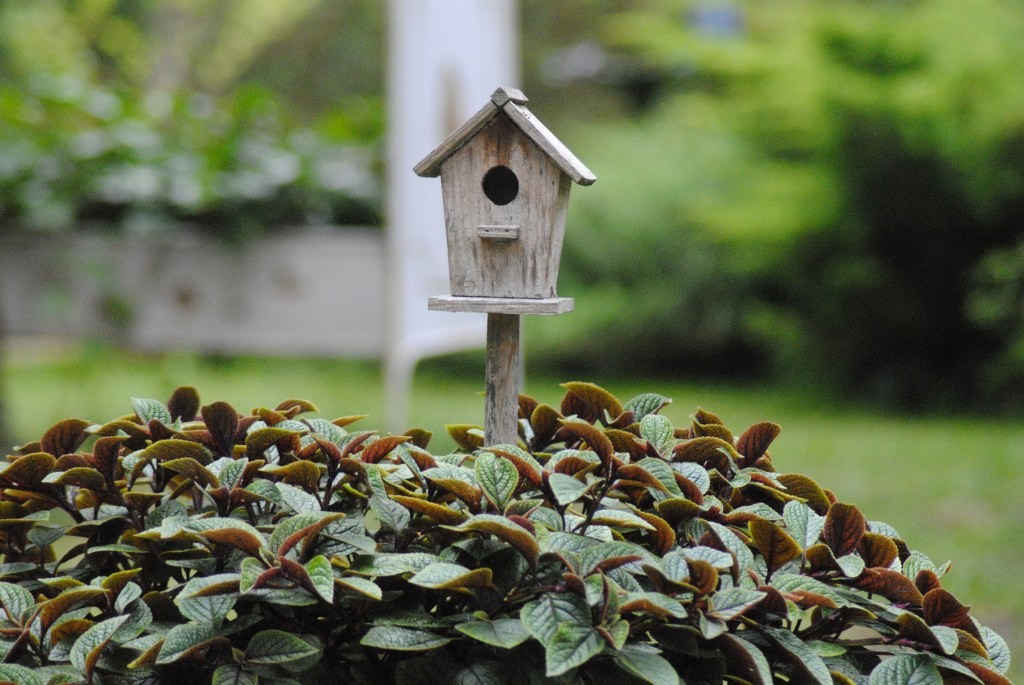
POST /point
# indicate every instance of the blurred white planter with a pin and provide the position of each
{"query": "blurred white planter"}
(313, 291)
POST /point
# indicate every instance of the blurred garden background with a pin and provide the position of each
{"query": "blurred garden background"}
(807, 212)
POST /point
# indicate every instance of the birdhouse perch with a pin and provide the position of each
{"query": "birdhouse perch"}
(505, 182)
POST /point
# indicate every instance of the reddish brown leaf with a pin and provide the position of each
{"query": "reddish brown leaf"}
(184, 403)
(590, 403)
(663, 536)
(713, 430)
(29, 470)
(941, 608)
(545, 423)
(775, 544)
(987, 675)
(844, 528)
(466, 436)
(381, 447)
(877, 550)
(105, 453)
(710, 452)
(419, 437)
(624, 441)
(703, 576)
(528, 467)
(304, 474)
(755, 440)
(527, 405)
(236, 537)
(704, 418)
(438, 512)
(307, 533)
(969, 643)
(222, 422)
(65, 437)
(775, 602)
(639, 475)
(296, 406)
(676, 509)
(343, 421)
(892, 585)
(806, 489)
(594, 437)
(739, 661)
(805, 599)
(927, 580)
(820, 559)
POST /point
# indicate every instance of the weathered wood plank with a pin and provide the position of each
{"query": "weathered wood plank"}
(501, 411)
(501, 305)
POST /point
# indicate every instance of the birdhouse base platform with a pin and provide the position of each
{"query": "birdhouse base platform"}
(501, 305)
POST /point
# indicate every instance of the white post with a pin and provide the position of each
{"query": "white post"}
(445, 58)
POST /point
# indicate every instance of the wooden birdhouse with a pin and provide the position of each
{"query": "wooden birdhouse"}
(505, 182)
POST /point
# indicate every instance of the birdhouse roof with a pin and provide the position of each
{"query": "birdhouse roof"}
(510, 101)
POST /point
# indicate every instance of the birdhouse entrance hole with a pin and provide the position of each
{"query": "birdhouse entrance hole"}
(501, 185)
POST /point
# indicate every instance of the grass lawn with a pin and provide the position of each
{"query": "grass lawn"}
(950, 484)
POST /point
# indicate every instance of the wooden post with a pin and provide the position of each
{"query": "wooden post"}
(501, 414)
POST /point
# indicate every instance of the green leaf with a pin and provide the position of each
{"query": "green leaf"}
(208, 599)
(233, 674)
(20, 675)
(801, 655)
(392, 515)
(728, 604)
(481, 673)
(571, 646)
(87, 648)
(906, 669)
(794, 582)
(498, 478)
(300, 501)
(802, 523)
(502, 632)
(151, 410)
(322, 576)
(646, 403)
(998, 651)
(277, 647)
(442, 575)
(565, 488)
(543, 616)
(645, 663)
(16, 601)
(361, 586)
(392, 563)
(185, 639)
(402, 639)
(659, 431)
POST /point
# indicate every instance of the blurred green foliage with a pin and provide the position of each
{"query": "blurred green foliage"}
(807, 187)
(138, 115)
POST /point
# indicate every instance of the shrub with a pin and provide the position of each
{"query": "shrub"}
(811, 185)
(193, 543)
(73, 153)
